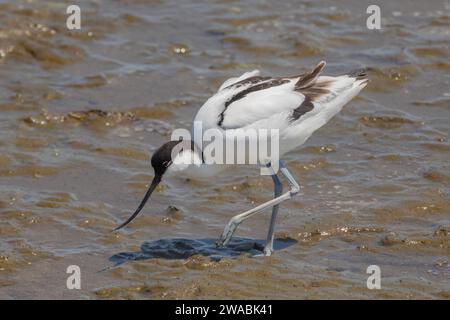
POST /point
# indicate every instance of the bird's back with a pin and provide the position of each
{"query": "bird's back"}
(295, 106)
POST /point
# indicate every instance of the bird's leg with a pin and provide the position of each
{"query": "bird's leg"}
(295, 188)
(278, 189)
(236, 220)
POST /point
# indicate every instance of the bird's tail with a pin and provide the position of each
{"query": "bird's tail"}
(339, 90)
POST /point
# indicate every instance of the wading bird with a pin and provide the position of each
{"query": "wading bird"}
(296, 106)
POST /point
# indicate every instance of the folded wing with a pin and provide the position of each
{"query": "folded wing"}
(256, 98)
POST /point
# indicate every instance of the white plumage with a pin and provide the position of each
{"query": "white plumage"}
(272, 107)
(295, 106)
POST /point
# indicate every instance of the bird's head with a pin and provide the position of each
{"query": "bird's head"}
(162, 159)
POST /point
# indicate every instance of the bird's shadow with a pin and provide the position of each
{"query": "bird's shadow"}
(179, 248)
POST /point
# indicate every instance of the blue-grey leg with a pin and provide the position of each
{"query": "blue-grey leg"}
(278, 189)
(238, 219)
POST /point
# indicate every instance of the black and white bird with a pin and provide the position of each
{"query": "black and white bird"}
(296, 106)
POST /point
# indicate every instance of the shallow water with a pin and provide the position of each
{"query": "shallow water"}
(81, 112)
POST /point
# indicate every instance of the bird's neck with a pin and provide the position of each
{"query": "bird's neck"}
(197, 151)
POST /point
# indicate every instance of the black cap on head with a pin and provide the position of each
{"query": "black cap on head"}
(161, 160)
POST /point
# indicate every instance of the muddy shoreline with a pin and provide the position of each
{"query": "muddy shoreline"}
(81, 113)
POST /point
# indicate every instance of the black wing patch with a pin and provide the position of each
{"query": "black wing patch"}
(305, 107)
(308, 78)
(306, 85)
(251, 80)
(274, 82)
(311, 89)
